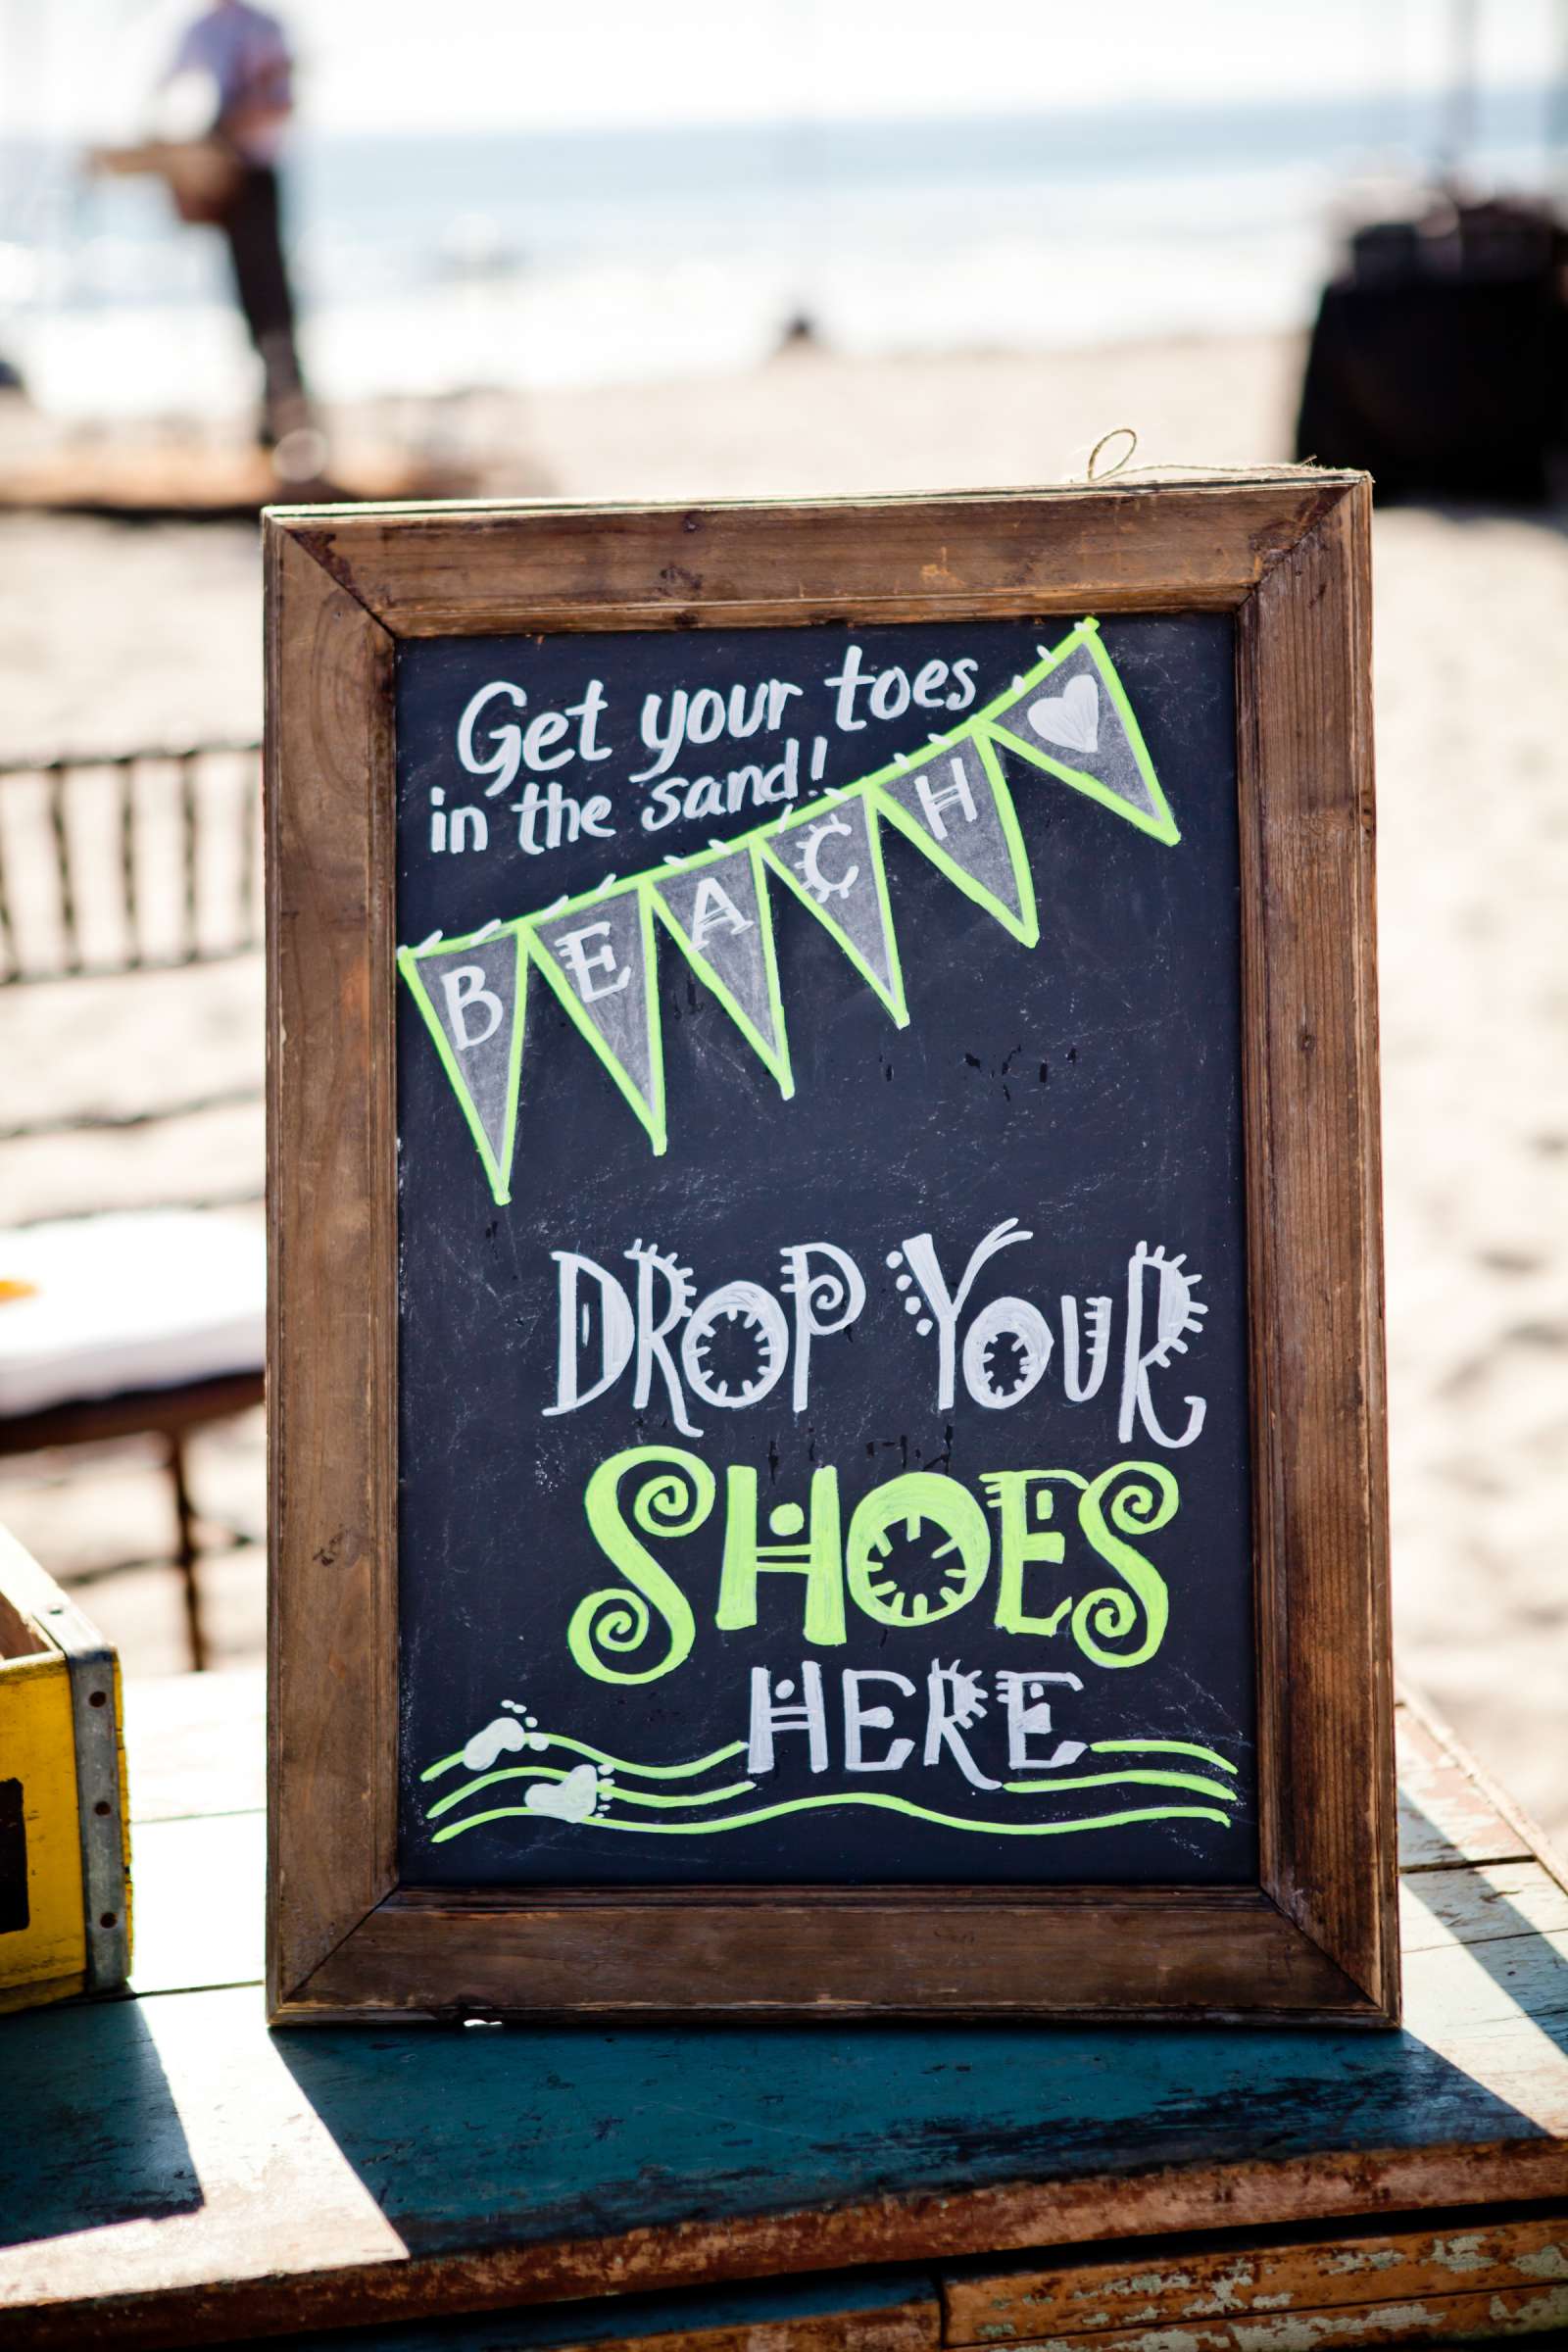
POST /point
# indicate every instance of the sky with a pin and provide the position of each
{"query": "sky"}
(403, 64)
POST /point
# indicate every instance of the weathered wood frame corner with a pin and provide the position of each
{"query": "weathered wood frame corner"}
(1318, 1940)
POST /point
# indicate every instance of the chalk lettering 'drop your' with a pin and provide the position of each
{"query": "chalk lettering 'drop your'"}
(660, 1329)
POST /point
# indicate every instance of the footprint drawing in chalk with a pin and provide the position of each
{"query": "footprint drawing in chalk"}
(1071, 717)
(577, 1797)
(505, 1733)
(484, 1748)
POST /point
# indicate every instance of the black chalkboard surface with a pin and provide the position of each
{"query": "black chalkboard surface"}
(822, 1366)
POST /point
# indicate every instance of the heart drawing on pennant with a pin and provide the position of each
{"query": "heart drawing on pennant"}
(1071, 717)
(570, 1799)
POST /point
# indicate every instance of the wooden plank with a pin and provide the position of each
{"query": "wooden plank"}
(967, 1955)
(1314, 1243)
(196, 1744)
(1445, 1816)
(331, 1620)
(1417, 2320)
(1491, 1905)
(199, 483)
(1516, 1821)
(897, 2313)
(981, 1953)
(980, 554)
(1300, 2279)
(200, 1892)
(551, 2164)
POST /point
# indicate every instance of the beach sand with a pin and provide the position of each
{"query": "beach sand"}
(112, 635)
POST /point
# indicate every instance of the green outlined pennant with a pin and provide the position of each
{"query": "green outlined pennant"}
(598, 955)
(716, 912)
(830, 856)
(954, 806)
(1070, 716)
(474, 995)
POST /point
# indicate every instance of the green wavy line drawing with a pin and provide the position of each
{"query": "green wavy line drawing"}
(878, 1799)
(1110, 1780)
(598, 1755)
(487, 1780)
(1172, 1747)
(1146, 1778)
(554, 1772)
(703, 1796)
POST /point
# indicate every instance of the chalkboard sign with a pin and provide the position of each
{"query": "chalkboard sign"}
(825, 1163)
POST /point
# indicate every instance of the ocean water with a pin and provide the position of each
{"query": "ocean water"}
(433, 266)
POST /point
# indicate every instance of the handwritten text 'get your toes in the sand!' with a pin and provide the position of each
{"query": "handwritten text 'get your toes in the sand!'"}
(683, 733)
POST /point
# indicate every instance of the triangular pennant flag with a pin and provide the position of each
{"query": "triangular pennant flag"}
(473, 996)
(1071, 716)
(717, 915)
(955, 805)
(830, 857)
(598, 956)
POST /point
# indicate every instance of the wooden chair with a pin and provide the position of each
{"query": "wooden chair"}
(147, 1316)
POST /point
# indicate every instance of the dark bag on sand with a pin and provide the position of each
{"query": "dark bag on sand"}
(1439, 360)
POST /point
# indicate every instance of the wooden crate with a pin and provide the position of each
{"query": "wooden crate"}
(65, 1853)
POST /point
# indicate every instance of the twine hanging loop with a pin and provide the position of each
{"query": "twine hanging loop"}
(1117, 432)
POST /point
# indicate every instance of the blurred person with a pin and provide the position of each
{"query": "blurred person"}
(231, 88)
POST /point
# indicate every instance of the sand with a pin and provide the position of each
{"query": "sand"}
(108, 636)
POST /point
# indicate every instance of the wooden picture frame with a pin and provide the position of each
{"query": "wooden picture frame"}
(1286, 553)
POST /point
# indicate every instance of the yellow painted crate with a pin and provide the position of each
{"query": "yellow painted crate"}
(65, 1851)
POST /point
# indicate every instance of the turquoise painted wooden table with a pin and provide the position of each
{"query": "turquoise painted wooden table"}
(171, 2172)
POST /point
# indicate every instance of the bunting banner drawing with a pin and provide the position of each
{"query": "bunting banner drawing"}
(829, 854)
(955, 806)
(598, 955)
(1067, 717)
(474, 997)
(1084, 731)
(719, 918)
